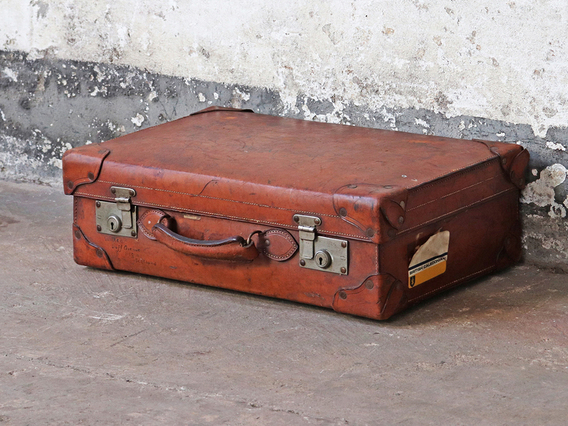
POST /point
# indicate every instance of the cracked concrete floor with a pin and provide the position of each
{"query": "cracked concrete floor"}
(82, 346)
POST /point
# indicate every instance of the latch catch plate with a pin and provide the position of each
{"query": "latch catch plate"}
(321, 253)
(118, 218)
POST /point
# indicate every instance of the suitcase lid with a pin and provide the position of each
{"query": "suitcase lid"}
(362, 183)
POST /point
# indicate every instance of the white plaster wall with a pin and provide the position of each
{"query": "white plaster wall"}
(499, 59)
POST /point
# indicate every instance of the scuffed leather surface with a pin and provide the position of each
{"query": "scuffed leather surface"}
(87, 253)
(82, 165)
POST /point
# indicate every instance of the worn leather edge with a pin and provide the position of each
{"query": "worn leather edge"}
(377, 210)
(513, 159)
(518, 168)
(377, 297)
(82, 165)
(218, 108)
(89, 254)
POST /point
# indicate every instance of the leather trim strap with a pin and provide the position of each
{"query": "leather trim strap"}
(218, 108)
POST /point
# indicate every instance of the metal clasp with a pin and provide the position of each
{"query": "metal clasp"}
(307, 227)
(320, 253)
(118, 218)
(122, 199)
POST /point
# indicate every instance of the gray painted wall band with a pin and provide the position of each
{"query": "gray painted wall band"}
(48, 106)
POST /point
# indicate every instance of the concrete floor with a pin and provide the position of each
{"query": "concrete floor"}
(82, 346)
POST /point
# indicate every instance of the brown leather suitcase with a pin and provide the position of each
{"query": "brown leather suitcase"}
(364, 221)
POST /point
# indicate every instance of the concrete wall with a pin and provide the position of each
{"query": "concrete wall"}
(76, 72)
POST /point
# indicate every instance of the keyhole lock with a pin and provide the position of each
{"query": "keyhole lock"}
(114, 223)
(323, 259)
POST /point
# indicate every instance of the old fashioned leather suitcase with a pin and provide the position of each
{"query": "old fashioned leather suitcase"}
(367, 222)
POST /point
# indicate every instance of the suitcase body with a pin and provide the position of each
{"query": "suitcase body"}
(363, 221)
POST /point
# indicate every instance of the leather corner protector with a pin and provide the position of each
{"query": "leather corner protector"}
(87, 253)
(377, 297)
(394, 213)
(150, 218)
(362, 204)
(513, 159)
(82, 165)
(278, 245)
(518, 168)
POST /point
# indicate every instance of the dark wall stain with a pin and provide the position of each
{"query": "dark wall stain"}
(52, 105)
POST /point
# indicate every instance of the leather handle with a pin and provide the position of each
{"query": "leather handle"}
(234, 248)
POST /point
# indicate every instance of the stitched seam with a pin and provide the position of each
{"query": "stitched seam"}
(288, 238)
(377, 258)
(219, 199)
(457, 210)
(75, 208)
(451, 193)
(472, 166)
(453, 282)
(286, 255)
(275, 257)
(182, 209)
(142, 225)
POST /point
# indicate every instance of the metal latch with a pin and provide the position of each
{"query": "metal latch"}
(320, 253)
(118, 218)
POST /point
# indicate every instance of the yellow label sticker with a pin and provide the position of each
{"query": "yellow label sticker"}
(430, 259)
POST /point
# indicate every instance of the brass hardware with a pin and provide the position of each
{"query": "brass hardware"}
(320, 253)
(118, 218)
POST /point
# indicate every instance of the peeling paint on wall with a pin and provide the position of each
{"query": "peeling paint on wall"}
(502, 60)
(541, 192)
